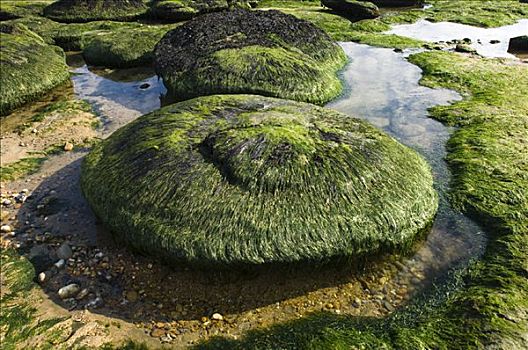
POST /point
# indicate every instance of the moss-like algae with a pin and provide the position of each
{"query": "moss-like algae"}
(75, 11)
(129, 47)
(245, 180)
(17, 9)
(267, 53)
(487, 306)
(180, 10)
(29, 67)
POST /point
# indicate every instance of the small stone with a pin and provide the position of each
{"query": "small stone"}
(144, 86)
(60, 264)
(6, 228)
(25, 190)
(69, 291)
(388, 306)
(6, 202)
(357, 302)
(132, 296)
(157, 333)
(97, 302)
(217, 317)
(494, 41)
(68, 147)
(464, 48)
(166, 339)
(64, 252)
(42, 277)
(82, 294)
(34, 131)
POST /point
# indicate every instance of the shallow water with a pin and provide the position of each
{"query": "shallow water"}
(117, 95)
(383, 88)
(480, 37)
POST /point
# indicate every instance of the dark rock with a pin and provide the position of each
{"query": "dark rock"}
(40, 257)
(518, 44)
(494, 41)
(262, 52)
(144, 86)
(64, 251)
(355, 10)
(464, 48)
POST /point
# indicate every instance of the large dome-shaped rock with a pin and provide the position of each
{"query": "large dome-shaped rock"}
(518, 44)
(245, 179)
(29, 67)
(180, 10)
(354, 10)
(264, 52)
(71, 11)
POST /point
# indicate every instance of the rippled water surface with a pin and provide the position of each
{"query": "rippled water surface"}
(481, 37)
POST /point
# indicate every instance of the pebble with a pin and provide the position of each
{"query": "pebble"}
(64, 252)
(217, 317)
(42, 277)
(82, 294)
(68, 147)
(144, 86)
(60, 264)
(69, 291)
(6, 228)
(157, 333)
(7, 202)
(132, 296)
(94, 303)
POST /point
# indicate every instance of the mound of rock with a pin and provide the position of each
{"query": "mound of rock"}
(182, 10)
(124, 48)
(30, 67)
(518, 44)
(263, 52)
(71, 11)
(354, 10)
(236, 180)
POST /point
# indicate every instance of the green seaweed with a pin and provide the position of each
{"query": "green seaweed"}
(18, 321)
(78, 11)
(252, 52)
(30, 67)
(244, 180)
(486, 305)
(123, 48)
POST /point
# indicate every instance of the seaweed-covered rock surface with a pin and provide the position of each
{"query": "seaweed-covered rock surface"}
(30, 67)
(396, 3)
(355, 10)
(93, 10)
(264, 52)
(180, 10)
(244, 180)
(122, 48)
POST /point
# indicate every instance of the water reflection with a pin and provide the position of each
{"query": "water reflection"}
(118, 96)
(484, 40)
(383, 88)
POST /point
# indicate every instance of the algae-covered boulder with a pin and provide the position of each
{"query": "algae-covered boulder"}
(123, 48)
(30, 67)
(245, 179)
(17, 9)
(71, 11)
(396, 3)
(355, 10)
(264, 52)
(180, 10)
